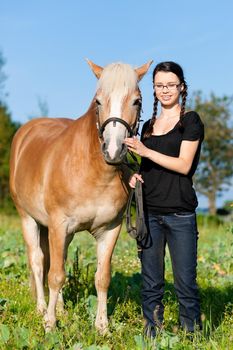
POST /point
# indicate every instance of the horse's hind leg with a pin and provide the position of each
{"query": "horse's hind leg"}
(105, 246)
(60, 301)
(31, 233)
(44, 243)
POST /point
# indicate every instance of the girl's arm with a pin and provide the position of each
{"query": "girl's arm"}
(181, 164)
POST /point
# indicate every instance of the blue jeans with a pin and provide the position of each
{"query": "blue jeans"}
(179, 231)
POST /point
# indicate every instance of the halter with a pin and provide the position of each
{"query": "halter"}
(133, 131)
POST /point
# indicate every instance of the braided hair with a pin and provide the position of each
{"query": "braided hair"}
(178, 71)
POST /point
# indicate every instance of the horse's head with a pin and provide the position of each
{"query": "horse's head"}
(118, 106)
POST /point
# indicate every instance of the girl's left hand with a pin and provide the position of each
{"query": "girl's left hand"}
(136, 146)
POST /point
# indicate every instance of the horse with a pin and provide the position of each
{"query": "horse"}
(68, 176)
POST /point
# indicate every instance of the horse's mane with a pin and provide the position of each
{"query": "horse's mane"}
(119, 77)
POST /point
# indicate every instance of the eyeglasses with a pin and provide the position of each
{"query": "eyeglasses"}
(169, 86)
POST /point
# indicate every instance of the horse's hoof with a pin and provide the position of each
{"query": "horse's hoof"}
(106, 333)
(48, 324)
(48, 328)
(102, 328)
(103, 331)
(42, 309)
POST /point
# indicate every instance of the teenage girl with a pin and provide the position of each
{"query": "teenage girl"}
(170, 148)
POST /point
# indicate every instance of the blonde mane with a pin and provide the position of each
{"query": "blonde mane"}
(119, 77)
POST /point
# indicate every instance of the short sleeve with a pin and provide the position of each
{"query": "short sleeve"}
(144, 128)
(193, 127)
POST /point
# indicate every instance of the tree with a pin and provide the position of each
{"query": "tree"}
(7, 130)
(215, 168)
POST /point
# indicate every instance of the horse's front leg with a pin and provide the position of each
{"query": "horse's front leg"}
(56, 275)
(105, 246)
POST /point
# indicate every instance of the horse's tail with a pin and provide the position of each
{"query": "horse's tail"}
(44, 244)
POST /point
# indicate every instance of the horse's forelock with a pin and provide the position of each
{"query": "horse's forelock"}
(118, 77)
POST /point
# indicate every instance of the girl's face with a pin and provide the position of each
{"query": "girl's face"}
(167, 88)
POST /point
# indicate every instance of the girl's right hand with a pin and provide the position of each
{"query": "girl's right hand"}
(134, 178)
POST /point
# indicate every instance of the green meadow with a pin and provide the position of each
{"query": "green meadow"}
(21, 327)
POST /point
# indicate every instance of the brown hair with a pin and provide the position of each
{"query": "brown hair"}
(176, 69)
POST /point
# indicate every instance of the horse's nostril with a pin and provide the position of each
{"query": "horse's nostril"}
(103, 146)
(124, 149)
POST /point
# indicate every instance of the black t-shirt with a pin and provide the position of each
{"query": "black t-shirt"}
(166, 191)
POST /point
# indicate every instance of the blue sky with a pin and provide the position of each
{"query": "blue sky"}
(45, 44)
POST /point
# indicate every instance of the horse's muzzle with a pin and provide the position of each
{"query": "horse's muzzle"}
(116, 158)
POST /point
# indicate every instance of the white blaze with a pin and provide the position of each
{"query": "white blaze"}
(115, 131)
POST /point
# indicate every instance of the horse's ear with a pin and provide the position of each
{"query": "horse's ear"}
(141, 71)
(97, 70)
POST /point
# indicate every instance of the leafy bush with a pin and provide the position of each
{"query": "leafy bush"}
(209, 220)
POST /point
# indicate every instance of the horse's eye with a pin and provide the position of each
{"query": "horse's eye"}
(137, 102)
(97, 102)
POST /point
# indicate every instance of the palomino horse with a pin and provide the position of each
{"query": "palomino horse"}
(67, 176)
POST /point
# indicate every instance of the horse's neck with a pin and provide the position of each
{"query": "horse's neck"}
(85, 140)
(85, 128)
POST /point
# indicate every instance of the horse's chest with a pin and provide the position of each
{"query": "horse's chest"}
(101, 211)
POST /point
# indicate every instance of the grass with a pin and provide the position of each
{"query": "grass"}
(21, 327)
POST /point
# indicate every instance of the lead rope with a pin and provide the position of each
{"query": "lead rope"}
(139, 231)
